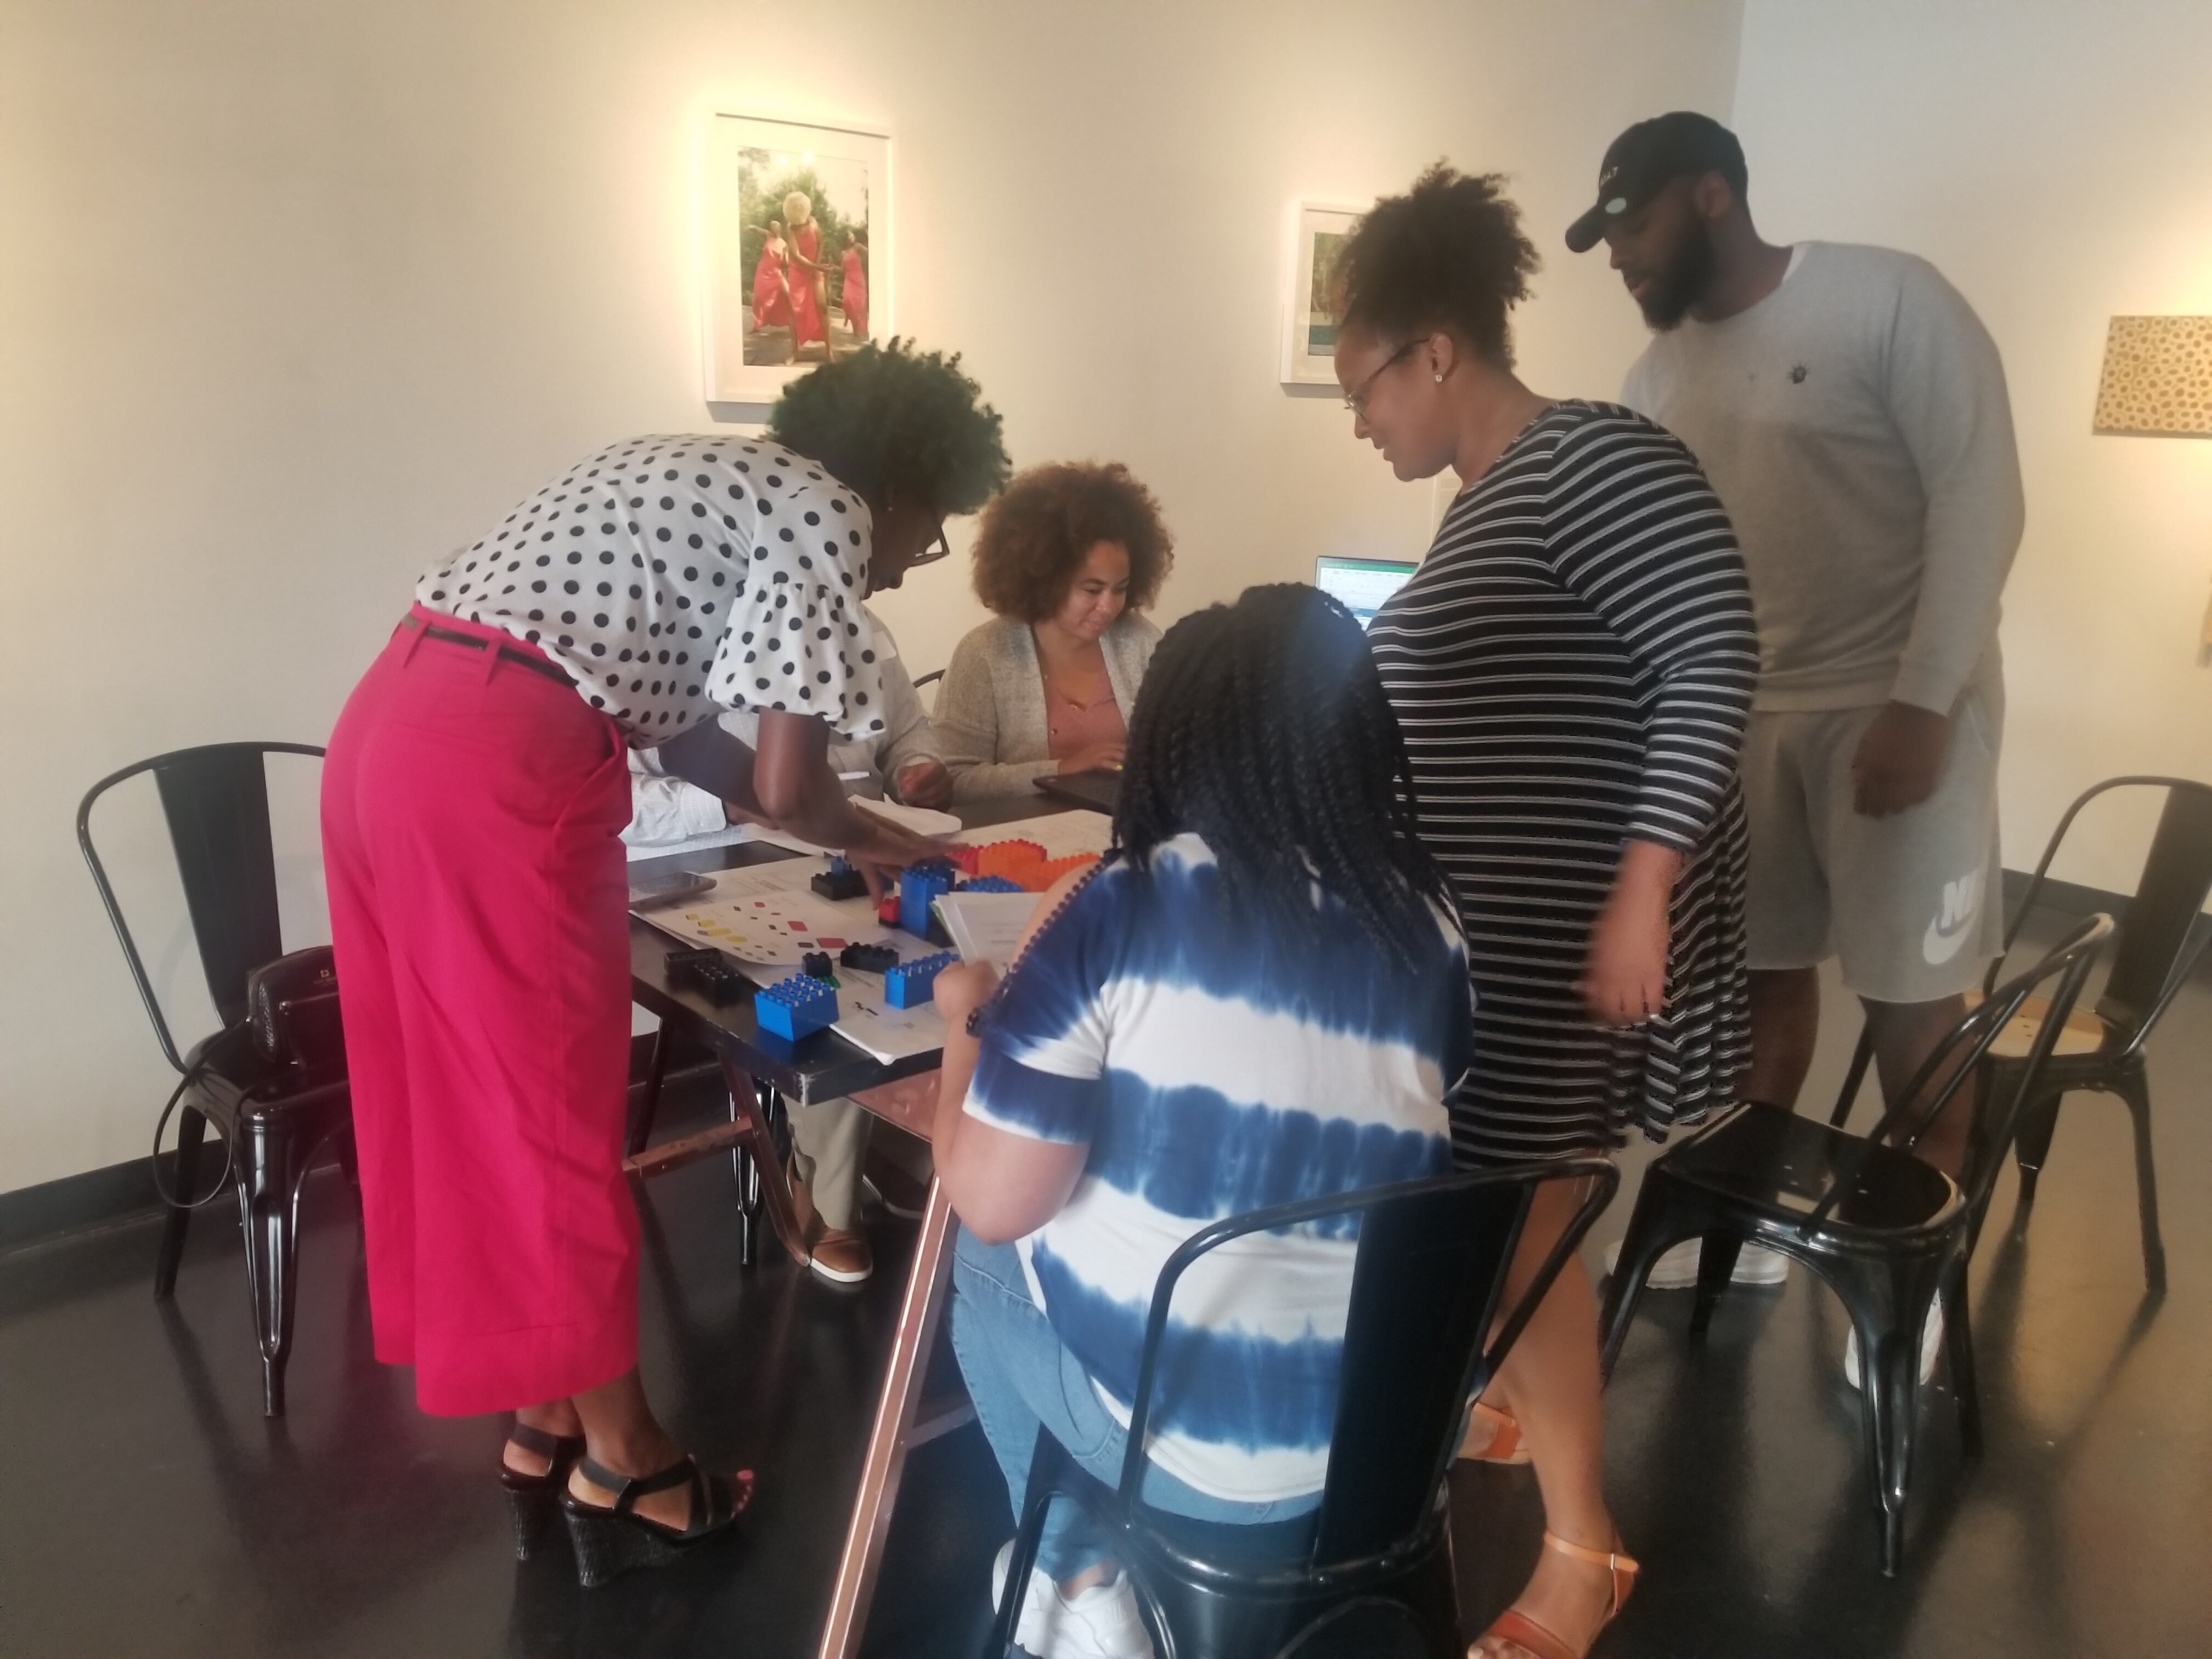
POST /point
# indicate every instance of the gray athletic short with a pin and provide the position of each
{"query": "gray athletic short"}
(1913, 903)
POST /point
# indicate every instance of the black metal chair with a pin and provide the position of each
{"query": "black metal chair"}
(1884, 1231)
(272, 1118)
(2154, 947)
(1427, 1283)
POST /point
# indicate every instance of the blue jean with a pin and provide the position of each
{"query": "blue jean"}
(1021, 1376)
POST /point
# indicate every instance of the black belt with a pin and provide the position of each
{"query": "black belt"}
(535, 663)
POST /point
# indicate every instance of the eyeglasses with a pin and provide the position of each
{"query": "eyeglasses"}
(939, 549)
(1356, 399)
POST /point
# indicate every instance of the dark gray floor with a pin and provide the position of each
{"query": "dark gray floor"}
(151, 1511)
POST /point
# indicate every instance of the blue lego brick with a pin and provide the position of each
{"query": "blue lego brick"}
(920, 887)
(910, 984)
(795, 1007)
(990, 884)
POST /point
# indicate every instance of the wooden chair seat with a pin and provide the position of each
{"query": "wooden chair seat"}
(2084, 1032)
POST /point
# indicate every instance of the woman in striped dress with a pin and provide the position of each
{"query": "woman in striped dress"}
(1572, 667)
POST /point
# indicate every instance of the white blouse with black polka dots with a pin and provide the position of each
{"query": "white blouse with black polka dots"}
(674, 577)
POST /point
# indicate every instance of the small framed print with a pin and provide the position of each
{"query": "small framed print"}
(1318, 231)
(797, 226)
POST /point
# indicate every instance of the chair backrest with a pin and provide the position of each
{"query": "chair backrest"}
(2152, 946)
(1958, 1060)
(1426, 1284)
(216, 799)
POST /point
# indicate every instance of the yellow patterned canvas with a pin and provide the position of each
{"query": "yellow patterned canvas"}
(2158, 378)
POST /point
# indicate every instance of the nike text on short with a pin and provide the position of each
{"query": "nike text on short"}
(1913, 903)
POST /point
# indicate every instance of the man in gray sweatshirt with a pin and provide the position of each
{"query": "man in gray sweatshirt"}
(1850, 410)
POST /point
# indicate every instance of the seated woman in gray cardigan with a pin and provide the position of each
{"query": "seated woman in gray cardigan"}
(1067, 557)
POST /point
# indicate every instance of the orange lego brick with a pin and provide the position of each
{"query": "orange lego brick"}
(1007, 858)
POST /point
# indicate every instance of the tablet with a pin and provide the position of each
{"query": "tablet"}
(1100, 790)
(668, 887)
(1363, 586)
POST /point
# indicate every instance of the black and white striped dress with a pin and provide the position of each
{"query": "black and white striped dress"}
(1572, 665)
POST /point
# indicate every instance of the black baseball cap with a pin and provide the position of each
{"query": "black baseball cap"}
(1643, 159)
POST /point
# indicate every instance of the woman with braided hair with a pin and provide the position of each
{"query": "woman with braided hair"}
(1572, 664)
(1260, 995)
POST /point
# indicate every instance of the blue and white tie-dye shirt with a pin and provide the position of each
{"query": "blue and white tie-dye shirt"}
(1213, 1067)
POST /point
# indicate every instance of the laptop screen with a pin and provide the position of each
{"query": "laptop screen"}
(1362, 585)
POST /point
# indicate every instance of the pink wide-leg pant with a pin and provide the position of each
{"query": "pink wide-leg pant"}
(472, 811)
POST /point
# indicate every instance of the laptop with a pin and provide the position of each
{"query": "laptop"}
(1363, 586)
(1100, 791)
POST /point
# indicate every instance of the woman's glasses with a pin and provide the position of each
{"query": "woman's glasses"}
(939, 549)
(1356, 399)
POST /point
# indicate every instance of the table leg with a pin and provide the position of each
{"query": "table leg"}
(748, 1185)
(896, 1432)
(756, 1138)
(745, 1175)
(639, 1127)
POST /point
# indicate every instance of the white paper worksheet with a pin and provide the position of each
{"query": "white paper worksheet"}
(768, 916)
(985, 926)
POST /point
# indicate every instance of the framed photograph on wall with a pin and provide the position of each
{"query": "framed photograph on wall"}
(1317, 231)
(797, 226)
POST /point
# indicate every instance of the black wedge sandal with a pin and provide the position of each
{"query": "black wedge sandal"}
(532, 1498)
(611, 1541)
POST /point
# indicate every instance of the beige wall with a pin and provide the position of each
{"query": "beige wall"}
(2055, 160)
(296, 296)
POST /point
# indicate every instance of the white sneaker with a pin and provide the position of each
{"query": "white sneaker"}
(1101, 1623)
(1931, 1345)
(1033, 1632)
(1677, 1269)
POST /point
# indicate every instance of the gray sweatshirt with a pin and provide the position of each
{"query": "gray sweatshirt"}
(1854, 424)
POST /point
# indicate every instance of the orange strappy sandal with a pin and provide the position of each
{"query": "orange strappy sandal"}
(1504, 1444)
(1525, 1633)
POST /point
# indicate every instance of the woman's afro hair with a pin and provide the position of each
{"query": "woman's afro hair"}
(897, 424)
(1034, 538)
(1449, 253)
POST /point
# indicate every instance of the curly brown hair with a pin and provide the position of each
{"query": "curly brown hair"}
(1035, 537)
(1449, 253)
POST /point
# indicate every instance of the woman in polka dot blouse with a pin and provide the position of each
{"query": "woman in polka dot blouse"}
(473, 798)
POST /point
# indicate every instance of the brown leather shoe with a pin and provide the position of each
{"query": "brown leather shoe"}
(842, 1258)
(895, 1189)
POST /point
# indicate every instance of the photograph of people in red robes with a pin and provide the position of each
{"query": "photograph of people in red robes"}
(790, 216)
(802, 233)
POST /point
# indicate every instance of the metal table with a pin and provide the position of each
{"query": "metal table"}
(762, 1072)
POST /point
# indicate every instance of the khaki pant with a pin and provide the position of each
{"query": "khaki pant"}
(829, 1144)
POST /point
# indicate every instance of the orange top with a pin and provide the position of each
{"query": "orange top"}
(1070, 727)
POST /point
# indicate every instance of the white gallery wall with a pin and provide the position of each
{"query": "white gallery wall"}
(295, 296)
(2055, 161)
